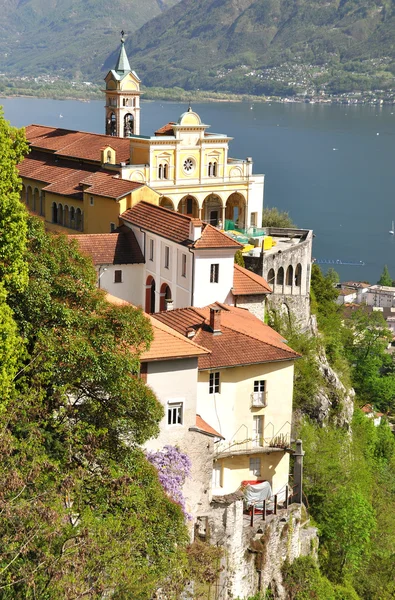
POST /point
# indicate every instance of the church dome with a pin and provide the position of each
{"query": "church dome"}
(189, 118)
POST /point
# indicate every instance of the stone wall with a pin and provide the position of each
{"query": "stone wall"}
(253, 556)
(288, 272)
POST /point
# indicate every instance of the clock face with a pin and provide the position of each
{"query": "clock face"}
(189, 166)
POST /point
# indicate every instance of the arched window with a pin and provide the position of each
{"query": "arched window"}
(108, 156)
(150, 295)
(210, 169)
(36, 194)
(128, 125)
(280, 276)
(72, 217)
(289, 276)
(66, 216)
(298, 275)
(271, 277)
(165, 295)
(60, 214)
(54, 212)
(112, 124)
(165, 171)
(42, 205)
(160, 171)
(78, 220)
(214, 169)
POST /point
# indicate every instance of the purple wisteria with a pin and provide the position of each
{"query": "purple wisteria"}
(173, 468)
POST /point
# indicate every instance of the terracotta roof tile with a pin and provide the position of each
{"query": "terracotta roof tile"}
(78, 144)
(118, 248)
(203, 426)
(244, 339)
(167, 344)
(68, 177)
(247, 283)
(175, 226)
(167, 129)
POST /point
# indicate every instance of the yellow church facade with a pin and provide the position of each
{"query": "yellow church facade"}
(73, 179)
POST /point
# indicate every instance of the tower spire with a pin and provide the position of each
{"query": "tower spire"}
(123, 65)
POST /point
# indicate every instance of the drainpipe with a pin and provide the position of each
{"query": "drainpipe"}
(193, 277)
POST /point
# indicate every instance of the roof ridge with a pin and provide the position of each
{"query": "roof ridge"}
(175, 333)
(164, 209)
(117, 137)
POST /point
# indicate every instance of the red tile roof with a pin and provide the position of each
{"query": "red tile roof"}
(67, 178)
(167, 129)
(243, 340)
(175, 226)
(118, 248)
(247, 283)
(167, 344)
(204, 427)
(76, 144)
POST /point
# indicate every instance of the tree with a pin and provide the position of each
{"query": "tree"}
(82, 512)
(239, 259)
(13, 267)
(385, 277)
(272, 217)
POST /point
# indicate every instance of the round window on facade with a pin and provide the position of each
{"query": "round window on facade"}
(189, 166)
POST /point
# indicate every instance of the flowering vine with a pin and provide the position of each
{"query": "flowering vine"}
(173, 468)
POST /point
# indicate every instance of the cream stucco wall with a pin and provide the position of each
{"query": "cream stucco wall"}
(205, 292)
(131, 287)
(230, 413)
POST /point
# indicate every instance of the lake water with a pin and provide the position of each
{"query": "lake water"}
(331, 167)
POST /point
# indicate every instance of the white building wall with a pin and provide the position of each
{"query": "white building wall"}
(130, 288)
(205, 292)
(176, 380)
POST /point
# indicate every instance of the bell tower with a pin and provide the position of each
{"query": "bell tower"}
(122, 98)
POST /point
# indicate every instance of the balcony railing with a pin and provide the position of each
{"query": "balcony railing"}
(269, 441)
(258, 400)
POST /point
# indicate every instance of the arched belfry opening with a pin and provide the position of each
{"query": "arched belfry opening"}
(122, 98)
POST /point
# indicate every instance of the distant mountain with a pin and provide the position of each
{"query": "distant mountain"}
(203, 44)
(68, 37)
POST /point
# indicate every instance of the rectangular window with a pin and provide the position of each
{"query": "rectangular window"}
(217, 475)
(118, 276)
(167, 257)
(214, 273)
(184, 265)
(112, 227)
(174, 413)
(259, 386)
(189, 206)
(91, 201)
(213, 387)
(254, 219)
(151, 249)
(255, 466)
(257, 431)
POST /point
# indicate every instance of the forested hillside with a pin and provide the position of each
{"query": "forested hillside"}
(67, 37)
(226, 45)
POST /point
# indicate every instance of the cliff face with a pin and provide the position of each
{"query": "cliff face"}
(333, 401)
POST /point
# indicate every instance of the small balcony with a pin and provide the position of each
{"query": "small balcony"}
(258, 400)
(247, 442)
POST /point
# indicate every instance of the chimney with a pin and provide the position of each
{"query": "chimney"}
(195, 229)
(169, 304)
(215, 320)
(191, 332)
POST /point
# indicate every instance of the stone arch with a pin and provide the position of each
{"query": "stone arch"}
(165, 294)
(128, 125)
(36, 196)
(298, 275)
(212, 210)
(166, 203)
(60, 214)
(29, 196)
(66, 216)
(271, 277)
(189, 206)
(79, 220)
(137, 176)
(42, 203)
(72, 217)
(280, 277)
(235, 210)
(23, 193)
(54, 212)
(289, 276)
(150, 295)
(111, 125)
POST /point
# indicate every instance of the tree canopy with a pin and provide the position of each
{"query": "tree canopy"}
(385, 277)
